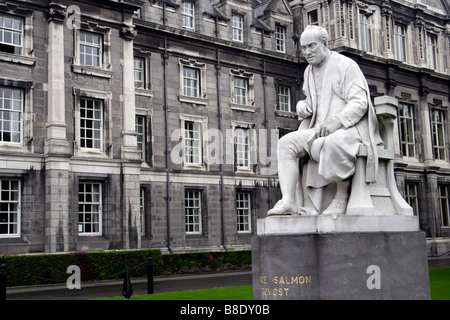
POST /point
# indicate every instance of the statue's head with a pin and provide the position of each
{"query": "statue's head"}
(314, 44)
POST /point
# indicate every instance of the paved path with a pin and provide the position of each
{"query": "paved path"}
(113, 288)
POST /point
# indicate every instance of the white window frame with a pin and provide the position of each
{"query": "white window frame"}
(142, 86)
(193, 211)
(98, 204)
(366, 31)
(237, 23)
(412, 196)
(438, 133)
(400, 40)
(432, 50)
(407, 130)
(243, 94)
(280, 39)
(104, 69)
(444, 204)
(139, 73)
(16, 108)
(193, 146)
(242, 148)
(245, 151)
(27, 54)
(310, 17)
(191, 82)
(183, 148)
(188, 15)
(186, 89)
(86, 46)
(105, 150)
(240, 90)
(141, 134)
(14, 31)
(16, 203)
(243, 212)
(97, 124)
(284, 98)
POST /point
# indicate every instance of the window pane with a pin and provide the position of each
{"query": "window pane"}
(91, 123)
(89, 207)
(9, 207)
(11, 106)
(192, 207)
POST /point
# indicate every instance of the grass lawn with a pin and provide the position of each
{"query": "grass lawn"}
(439, 286)
(232, 293)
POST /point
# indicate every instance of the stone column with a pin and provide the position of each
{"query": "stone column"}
(129, 144)
(386, 15)
(131, 158)
(57, 149)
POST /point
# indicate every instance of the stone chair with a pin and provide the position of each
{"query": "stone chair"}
(381, 197)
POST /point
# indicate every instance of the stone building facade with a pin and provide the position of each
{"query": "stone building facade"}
(153, 124)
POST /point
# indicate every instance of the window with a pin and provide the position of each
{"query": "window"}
(192, 143)
(187, 15)
(242, 147)
(411, 196)
(240, 90)
(284, 98)
(9, 207)
(431, 51)
(365, 31)
(400, 42)
(193, 211)
(139, 73)
(280, 37)
(89, 208)
(236, 26)
(142, 211)
(243, 90)
(243, 212)
(444, 201)
(438, 134)
(11, 34)
(191, 83)
(91, 123)
(91, 49)
(11, 115)
(406, 118)
(141, 135)
(313, 18)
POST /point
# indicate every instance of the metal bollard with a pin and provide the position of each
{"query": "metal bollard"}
(127, 289)
(3, 279)
(150, 275)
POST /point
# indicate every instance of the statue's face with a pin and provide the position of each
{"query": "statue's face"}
(312, 48)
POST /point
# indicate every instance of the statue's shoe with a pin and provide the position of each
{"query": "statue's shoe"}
(282, 209)
(336, 207)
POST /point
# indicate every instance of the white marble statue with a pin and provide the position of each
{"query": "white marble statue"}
(337, 117)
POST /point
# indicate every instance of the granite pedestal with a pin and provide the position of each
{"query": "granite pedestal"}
(334, 262)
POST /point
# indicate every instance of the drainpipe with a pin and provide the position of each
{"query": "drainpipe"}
(266, 123)
(167, 151)
(219, 116)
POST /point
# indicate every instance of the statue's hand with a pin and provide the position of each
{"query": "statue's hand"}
(329, 126)
(303, 110)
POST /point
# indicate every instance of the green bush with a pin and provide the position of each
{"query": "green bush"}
(101, 265)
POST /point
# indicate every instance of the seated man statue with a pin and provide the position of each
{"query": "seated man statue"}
(337, 117)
